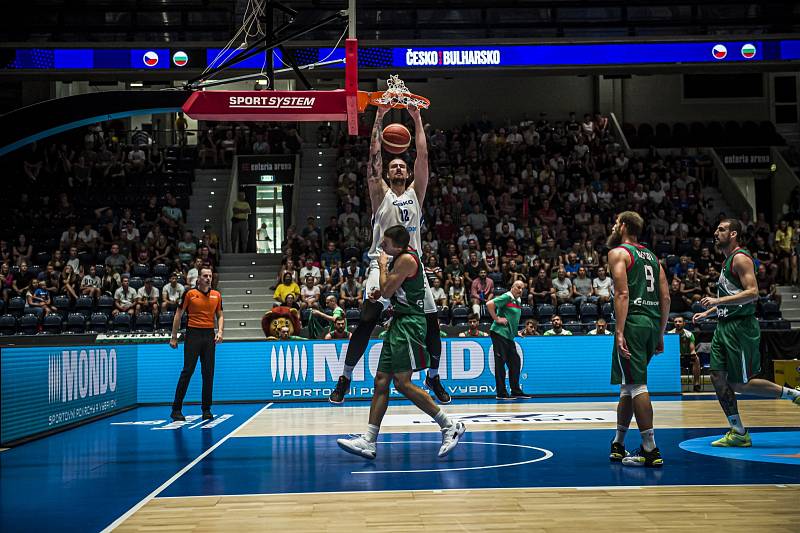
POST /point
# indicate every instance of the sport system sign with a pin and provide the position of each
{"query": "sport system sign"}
(244, 105)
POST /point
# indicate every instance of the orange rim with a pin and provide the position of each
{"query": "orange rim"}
(366, 98)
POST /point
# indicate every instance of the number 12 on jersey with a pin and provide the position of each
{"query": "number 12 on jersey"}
(404, 216)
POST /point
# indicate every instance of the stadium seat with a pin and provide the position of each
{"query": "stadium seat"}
(498, 290)
(98, 323)
(574, 326)
(29, 324)
(352, 315)
(161, 270)
(708, 325)
(35, 270)
(184, 321)
(526, 312)
(165, 320)
(63, 303)
(105, 304)
(770, 310)
(8, 325)
(100, 270)
(443, 315)
(141, 271)
(589, 313)
(496, 277)
(485, 317)
(545, 312)
(567, 312)
(158, 283)
(459, 315)
(52, 324)
(16, 306)
(144, 321)
(136, 282)
(84, 305)
(607, 311)
(121, 323)
(697, 307)
(76, 323)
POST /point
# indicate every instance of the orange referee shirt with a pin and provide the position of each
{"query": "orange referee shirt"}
(202, 307)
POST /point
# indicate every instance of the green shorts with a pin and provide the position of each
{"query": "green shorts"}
(735, 348)
(642, 335)
(404, 345)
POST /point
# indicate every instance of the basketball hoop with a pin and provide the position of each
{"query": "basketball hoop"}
(397, 96)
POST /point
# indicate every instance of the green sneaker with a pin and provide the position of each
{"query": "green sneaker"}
(734, 440)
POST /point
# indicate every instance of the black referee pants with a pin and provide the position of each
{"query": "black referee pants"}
(505, 353)
(198, 344)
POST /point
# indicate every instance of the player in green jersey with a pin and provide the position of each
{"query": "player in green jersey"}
(735, 355)
(404, 349)
(641, 306)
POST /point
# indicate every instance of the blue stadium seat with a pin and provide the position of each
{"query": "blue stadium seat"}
(52, 324)
(607, 311)
(498, 290)
(98, 322)
(459, 315)
(144, 321)
(16, 306)
(697, 307)
(100, 270)
(29, 324)
(496, 277)
(165, 320)
(770, 310)
(353, 315)
(708, 325)
(567, 312)
(158, 283)
(161, 270)
(485, 317)
(84, 305)
(105, 304)
(8, 325)
(545, 312)
(121, 323)
(589, 313)
(574, 326)
(76, 323)
(443, 315)
(63, 304)
(141, 271)
(526, 312)
(136, 282)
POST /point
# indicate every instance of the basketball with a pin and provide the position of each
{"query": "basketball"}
(396, 138)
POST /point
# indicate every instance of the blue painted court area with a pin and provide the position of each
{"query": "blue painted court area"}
(768, 447)
(85, 478)
(508, 459)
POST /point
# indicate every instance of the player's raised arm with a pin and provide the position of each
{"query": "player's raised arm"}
(377, 187)
(421, 170)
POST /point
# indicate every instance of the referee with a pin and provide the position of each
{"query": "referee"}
(202, 304)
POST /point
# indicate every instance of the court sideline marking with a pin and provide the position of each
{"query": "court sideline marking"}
(435, 491)
(180, 472)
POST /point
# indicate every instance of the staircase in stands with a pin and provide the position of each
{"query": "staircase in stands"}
(245, 281)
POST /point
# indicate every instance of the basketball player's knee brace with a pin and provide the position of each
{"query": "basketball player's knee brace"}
(632, 390)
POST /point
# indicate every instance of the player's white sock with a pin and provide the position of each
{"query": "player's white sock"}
(789, 393)
(443, 420)
(372, 433)
(648, 439)
(736, 424)
(620, 437)
(433, 372)
(348, 371)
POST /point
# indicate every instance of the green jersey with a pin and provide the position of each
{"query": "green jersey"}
(409, 298)
(510, 308)
(686, 340)
(729, 285)
(643, 281)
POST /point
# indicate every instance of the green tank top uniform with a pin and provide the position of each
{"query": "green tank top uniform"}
(643, 281)
(409, 298)
(729, 285)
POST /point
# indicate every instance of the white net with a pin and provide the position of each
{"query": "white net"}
(398, 94)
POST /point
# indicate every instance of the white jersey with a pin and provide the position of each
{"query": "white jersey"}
(404, 210)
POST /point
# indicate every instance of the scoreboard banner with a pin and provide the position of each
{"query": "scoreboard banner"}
(418, 56)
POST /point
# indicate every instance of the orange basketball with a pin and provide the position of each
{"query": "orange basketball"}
(396, 138)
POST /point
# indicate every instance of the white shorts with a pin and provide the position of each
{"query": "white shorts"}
(372, 283)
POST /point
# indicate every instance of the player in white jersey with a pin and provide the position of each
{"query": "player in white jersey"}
(396, 200)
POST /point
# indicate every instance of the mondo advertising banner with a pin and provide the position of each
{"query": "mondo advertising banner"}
(44, 388)
(309, 369)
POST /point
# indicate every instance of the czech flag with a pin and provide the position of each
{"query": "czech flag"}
(719, 51)
(150, 59)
